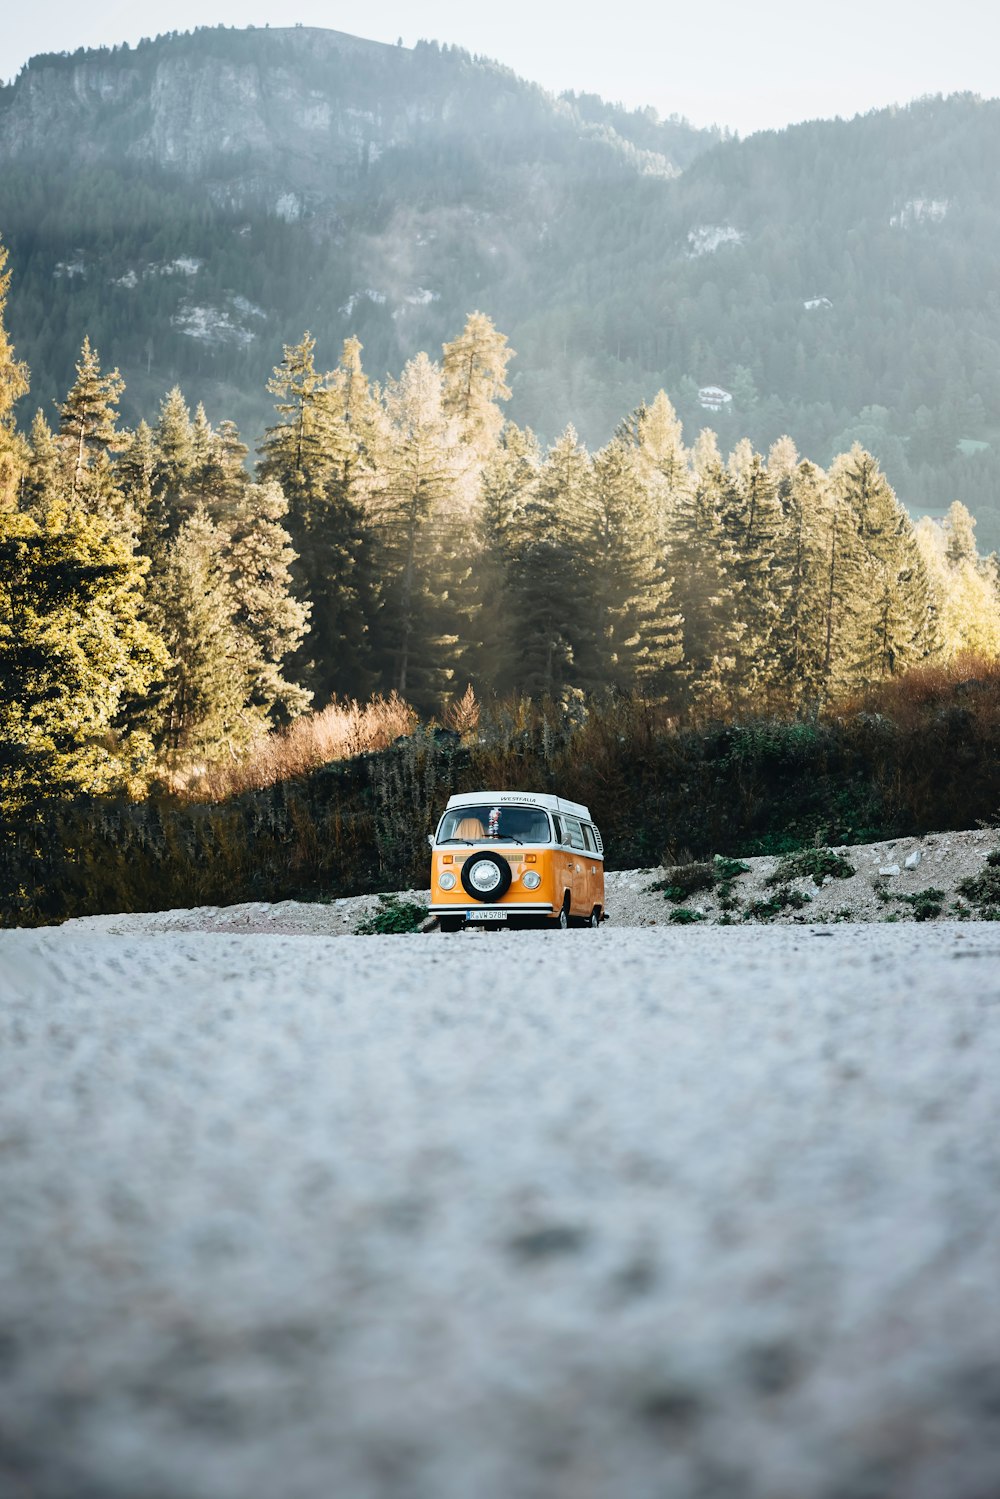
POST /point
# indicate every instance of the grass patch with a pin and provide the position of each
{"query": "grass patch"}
(392, 917)
(925, 904)
(811, 863)
(684, 916)
(784, 899)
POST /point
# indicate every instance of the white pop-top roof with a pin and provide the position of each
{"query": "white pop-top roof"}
(520, 799)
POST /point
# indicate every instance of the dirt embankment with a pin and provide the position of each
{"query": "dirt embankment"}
(885, 884)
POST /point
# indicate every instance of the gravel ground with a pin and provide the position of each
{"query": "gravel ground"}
(694, 1213)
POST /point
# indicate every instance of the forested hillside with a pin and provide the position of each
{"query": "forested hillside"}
(164, 607)
(196, 202)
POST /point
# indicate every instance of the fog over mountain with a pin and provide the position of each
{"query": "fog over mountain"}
(198, 201)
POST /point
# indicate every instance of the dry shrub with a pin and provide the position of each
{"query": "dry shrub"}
(970, 682)
(462, 714)
(337, 733)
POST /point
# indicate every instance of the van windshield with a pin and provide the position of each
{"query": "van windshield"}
(470, 824)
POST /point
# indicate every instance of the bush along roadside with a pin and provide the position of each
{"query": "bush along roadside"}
(982, 890)
(393, 917)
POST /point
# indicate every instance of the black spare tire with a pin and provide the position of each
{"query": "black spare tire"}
(486, 876)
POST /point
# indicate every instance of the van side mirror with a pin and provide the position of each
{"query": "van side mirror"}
(430, 840)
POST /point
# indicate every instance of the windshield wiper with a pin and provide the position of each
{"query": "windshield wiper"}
(506, 835)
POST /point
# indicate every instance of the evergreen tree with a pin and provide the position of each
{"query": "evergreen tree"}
(174, 436)
(13, 385)
(474, 370)
(506, 485)
(42, 488)
(659, 438)
(417, 520)
(322, 454)
(201, 472)
(206, 707)
(76, 663)
(270, 622)
(136, 473)
(893, 621)
(296, 450)
(815, 554)
(88, 425)
(704, 591)
(551, 615)
(963, 585)
(637, 636)
(754, 539)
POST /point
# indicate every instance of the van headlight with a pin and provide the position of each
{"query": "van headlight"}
(446, 880)
(531, 879)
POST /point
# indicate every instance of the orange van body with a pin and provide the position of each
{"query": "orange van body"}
(483, 873)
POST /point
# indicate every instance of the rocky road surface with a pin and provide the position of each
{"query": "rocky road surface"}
(697, 1213)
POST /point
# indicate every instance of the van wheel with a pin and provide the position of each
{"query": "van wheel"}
(595, 917)
(561, 922)
(451, 923)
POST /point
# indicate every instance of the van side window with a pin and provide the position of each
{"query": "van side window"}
(574, 832)
(557, 824)
(589, 839)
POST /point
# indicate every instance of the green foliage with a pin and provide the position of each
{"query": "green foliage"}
(783, 899)
(983, 890)
(811, 863)
(684, 880)
(925, 904)
(683, 916)
(392, 917)
(727, 870)
(75, 660)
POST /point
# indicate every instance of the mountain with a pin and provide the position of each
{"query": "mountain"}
(198, 200)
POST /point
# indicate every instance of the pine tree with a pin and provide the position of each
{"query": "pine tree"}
(43, 491)
(135, 472)
(506, 485)
(13, 385)
(323, 454)
(963, 585)
(474, 370)
(202, 452)
(76, 663)
(706, 459)
(893, 621)
(815, 555)
(296, 451)
(753, 530)
(270, 621)
(552, 619)
(206, 707)
(704, 590)
(417, 520)
(659, 438)
(637, 635)
(174, 436)
(88, 425)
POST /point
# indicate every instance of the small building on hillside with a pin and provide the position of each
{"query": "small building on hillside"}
(713, 397)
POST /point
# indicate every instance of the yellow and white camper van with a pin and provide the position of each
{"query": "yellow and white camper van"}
(516, 858)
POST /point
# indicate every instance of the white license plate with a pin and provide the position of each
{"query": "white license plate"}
(481, 915)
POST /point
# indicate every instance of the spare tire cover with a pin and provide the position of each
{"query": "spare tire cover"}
(486, 876)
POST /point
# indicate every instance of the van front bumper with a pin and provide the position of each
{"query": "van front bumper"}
(514, 908)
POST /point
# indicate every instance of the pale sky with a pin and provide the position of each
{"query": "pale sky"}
(748, 64)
